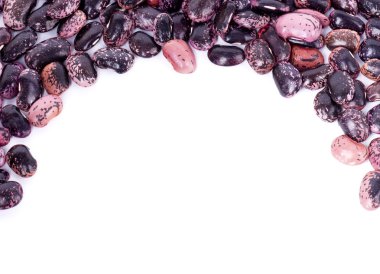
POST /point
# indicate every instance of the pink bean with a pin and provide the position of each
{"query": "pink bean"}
(180, 55)
(45, 109)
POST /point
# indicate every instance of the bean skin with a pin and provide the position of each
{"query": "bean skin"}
(16, 12)
(119, 29)
(5, 136)
(259, 56)
(224, 17)
(203, 36)
(143, 45)
(373, 117)
(349, 152)
(306, 58)
(270, 6)
(163, 28)
(372, 28)
(202, 11)
(17, 124)
(118, 59)
(349, 6)
(8, 80)
(226, 55)
(374, 153)
(81, 69)
(181, 26)
(105, 14)
(360, 100)
(343, 38)
(60, 9)
(251, 20)
(341, 87)
(169, 5)
(325, 21)
(373, 92)
(354, 124)
(342, 20)
(317, 44)
(325, 107)
(287, 79)
(5, 37)
(144, 17)
(320, 5)
(44, 110)
(92, 8)
(369, 49)
(369, 8)
(129, 4)
(4, 175)
(18, 46)
(39, 21)
(369, 192)
(371, 69)
(180, 56)
(342, 59)
(30, 89)
(239, 36)
(316, 78)
(281, 49)
(88, 36)
(21, 161)
(10, 194)
(72, 25)
(55, 78)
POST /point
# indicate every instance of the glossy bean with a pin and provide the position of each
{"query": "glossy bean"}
(18, 46)
(369, 193)
(72, 25)
(281, 49)
(317, 44)
(163, 28)
(325, 21)
(349, 152)
(343, 20)
(21, 161)
(226, 55)
(169, 5)
(343, 38)
(369, 49)
(180, 56)
(4, 175)
(202, 11)
(371, 69)
(354, 124)
(118, 59)
(203, 37)
(270, 6)
(81, 69)
(374, 153)
(373, 92)
(17, 124)
(306, 58)
(349, 6)
(16, 12)
(316, 78)
(92, 8)
(325, 107)
(119, 29)
(287, 79)
(55, 78)
(343, 59)
(239, 36)
(60, 9)
(181, 26)
(224, 17)
(373, 117)
(143, 45)
(341, 87)
(260, 56)
(105, 14)
(39, 20)
(369, 8)
(88, 36)
(372, 28)
(360, 100)
(11, 194)
(144, 17)
(5, 136)
(29, 89)
(8, 80)
(251, 20)
(5, 36)
(44, 110)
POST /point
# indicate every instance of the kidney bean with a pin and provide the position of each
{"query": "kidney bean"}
(181, 26)
(223, 17)
(105, 13)
(81, 69)
(202, 11)
(343, 20)
(21, 161)
(349, 152)
(319, 5)
(241, 4)
(144, 17)
(163, 28)
(372, 28)
(5, 37)
(55, 78)
(325, 107)
(299, 26)
(39, 21)
(8, 80)
(129, 4)
(369, 192)
(10, 194)
(180, 56)
(169, 5)
(46, 52)
(270, 6)
(5, 136)
(20, 44)
(119, 29)
(251, 20)
(92, 8)
(259, 56)
(342, 59)
(30, 89)
(343, 38)
(203, 36)
(2, 157)
(239, 36)
(306, 58)
(374, 153)
(369, 49)
(60, 9)
(44, 110)
(118, 59)
(359, 101)
(72, 24)
(316, 78)
(354, 124)
(143, 45)
(17, 124)
(325, 21)
(226, 55)
(280, 48)
(373, 92)
(317, 44)
(287, 79)
(16, 12)
(4, 175)
(373, 117)
(371, 69)
(369, 8)
(349, 6)
(88, 36)
(341, 87)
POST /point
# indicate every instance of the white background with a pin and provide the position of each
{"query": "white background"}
(214, 172)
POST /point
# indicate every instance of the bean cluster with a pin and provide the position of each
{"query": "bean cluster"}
(279, 36)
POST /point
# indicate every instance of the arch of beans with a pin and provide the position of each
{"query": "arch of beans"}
(279, 36)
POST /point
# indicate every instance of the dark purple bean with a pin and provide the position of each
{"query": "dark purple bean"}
(16, 12)
(39, 21)
(341, 87)
(4, 175)
(354, 124)
(343, 38)
(46, 52)
(29, 89)
(359, 101)
(342, 20)
(163, 28)
(55, 78)
(118, 30)
(350, 6)
(181, 26)
(372, 28)
(18, 46)
(10, 194)
(72, 24)
(251, 20)
(21, 161)
(60, 9)
(203, 36)
(81, 69)
(325, 107)
(129, 4)
(105, 14)
(17, 124)
(143, 45)
(342, 59)
(239, 36)
(226, 55)
(118, 59)
(5, 37)
(373, 92)
(281, 49)
(320, 5)
(318, 44)
(270, 6)
(5, 136)
(88, 36)
(369, 49)
(287, 79)
(371, 69)
(316, 78)
(202, 11)
(144, 17)
(92, 8)
(373, 117)
(369, 8)
(169, 5)
(260, 56)
(8, 80)
(223, 18)
(241, 4)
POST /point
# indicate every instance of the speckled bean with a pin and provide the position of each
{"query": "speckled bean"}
(129, 4)
(44, 110)
(21, 161)
(349, 6)
(143, 45)
(55, 78)
(281, 49)
(180, 55)
(354, 124)
(325, 107)
(16, 12)
(17, 124)
(118, 59)
(10, 194)
(287, 79)
(374, 153)
(119, 29)
(39, 21)
(251, 20)
(359, 101)
(202, 11)
(319, 5)
(60, 9)
(144, 17)
(371, 69)
(18, 46)
(343, 38)
(259, 56)
(88, 36)
(369, 193)
(306, 58)
(343, 59)
(163, 28)
(343, 20)
(226, 55)
(92, 8)
(81, 69)
(5, 136)
(72, 25)
(373, 117)
(8, 80)
(349, 152)
(316, 78)
(30, 89)
(203, 37)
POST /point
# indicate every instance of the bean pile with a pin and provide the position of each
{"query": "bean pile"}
(279, 36)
